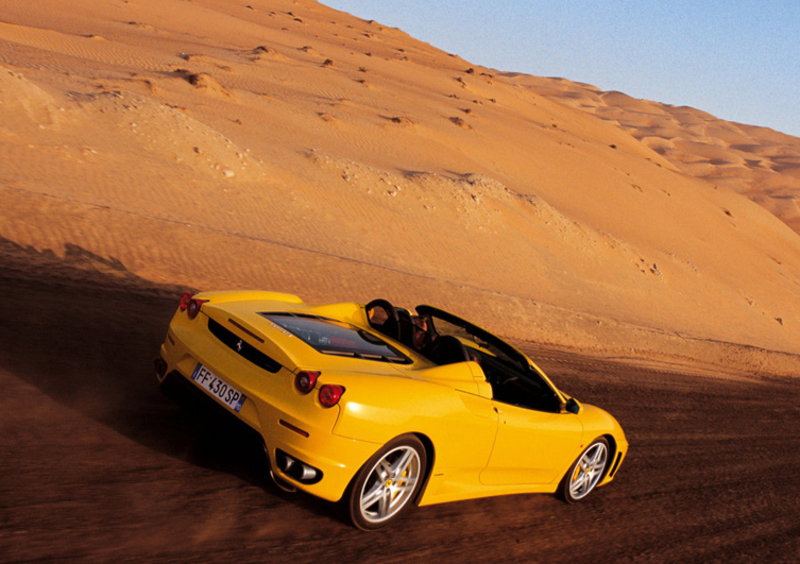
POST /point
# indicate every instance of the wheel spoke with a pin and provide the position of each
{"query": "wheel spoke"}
(406, 481)
(374, 494)
(405, 487)
(399, 467)
(385, 503)
(384, 470)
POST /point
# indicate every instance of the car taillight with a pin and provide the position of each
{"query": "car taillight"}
(191, 305)
(330, 394)
(305, 381)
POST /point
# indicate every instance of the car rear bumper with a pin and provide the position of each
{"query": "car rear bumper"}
(289, 424)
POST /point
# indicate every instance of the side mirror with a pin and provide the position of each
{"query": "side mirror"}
(573, 406)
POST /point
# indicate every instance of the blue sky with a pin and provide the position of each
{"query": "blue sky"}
(738, 60)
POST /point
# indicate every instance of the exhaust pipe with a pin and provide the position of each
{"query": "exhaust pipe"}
(300, 471)
(284, 486)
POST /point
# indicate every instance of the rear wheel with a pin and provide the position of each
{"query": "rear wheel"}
(586, 472)
(387, 484)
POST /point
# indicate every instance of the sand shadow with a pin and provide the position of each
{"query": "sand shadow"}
(84, 330)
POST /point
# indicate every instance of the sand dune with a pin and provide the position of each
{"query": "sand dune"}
(758, 162)
(281, 144)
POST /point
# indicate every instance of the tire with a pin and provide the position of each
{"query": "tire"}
(585, 472)
(388, 483)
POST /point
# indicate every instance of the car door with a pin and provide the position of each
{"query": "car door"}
(531, 447)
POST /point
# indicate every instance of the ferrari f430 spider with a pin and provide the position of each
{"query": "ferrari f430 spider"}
(383, 408)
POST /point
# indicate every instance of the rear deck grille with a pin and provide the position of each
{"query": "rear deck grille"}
(242, 348)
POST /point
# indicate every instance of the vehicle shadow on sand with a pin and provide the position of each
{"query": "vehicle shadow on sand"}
(84, 330)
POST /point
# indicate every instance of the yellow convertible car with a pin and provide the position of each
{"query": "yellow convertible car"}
(383, 408)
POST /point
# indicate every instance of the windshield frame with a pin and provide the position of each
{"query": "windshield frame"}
(509, 351)
(492, 344)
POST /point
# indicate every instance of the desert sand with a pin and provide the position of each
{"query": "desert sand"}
(646, 255)
(99, 466)
(285, 145)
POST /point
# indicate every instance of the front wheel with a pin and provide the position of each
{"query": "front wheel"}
(387, 483)
(585, 472)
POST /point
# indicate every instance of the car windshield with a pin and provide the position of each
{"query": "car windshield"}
(333, 337)
(512, 377)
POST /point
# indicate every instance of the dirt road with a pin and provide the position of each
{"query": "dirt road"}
(98, 466)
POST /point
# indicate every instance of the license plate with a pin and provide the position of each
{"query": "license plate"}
(218, 387)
